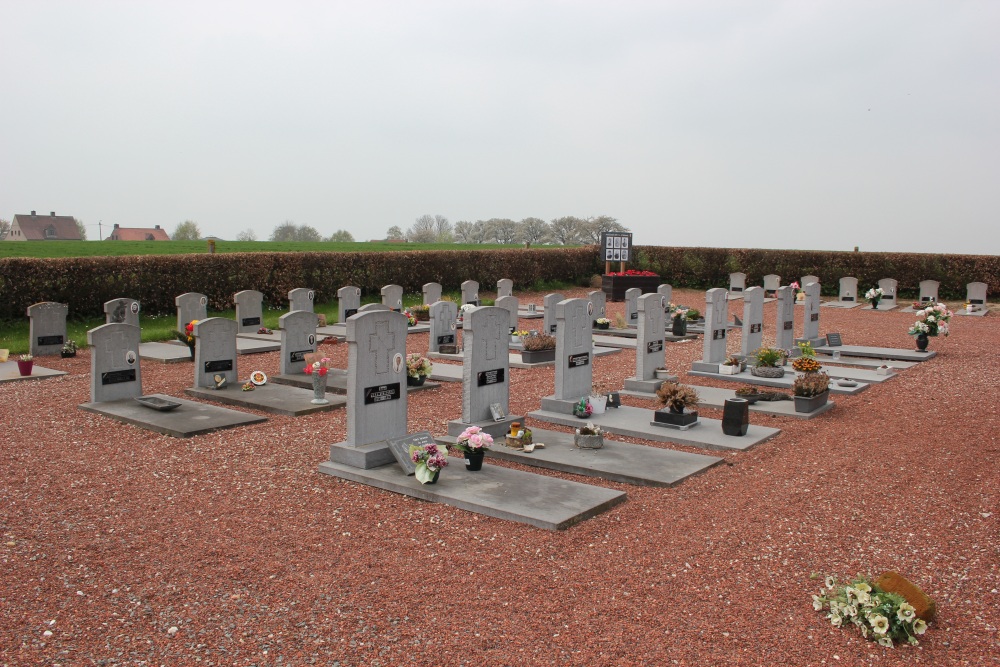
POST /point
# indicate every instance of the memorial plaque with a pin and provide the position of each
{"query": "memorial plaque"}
(552, 329)
(494, 376)
(298, 355)
(400, 448)
(218, 365)
(117, 377)
(788, 326)
(814, 317)
(635, 316)
(50, 340)
(381, 393)
(448, 339)
(847, 298)
(350, 311)
(250, 321)
(756, 328)
(735, 289)
(579, 359)
(654, 346)
(718, 334)
(834, 340)
(977, 302)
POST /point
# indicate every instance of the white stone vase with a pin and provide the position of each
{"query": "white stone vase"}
(319, 389)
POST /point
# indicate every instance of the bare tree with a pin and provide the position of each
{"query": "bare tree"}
(443, 229)
(394, 233)
(4, 227)
(590, 231)
(423, 230)
(341, 236)
(566, 230)
(186, 231)
(82, 228)
(247, 235)
(503, 230)
(533, 230)
(464, 231)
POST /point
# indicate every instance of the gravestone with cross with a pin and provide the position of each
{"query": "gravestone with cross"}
(114, 362)
(549, 314)
(249, 311)
(301, 298)
(215, 351)
(505, 287)
(47, 327)
(810, 326)
(122, 311)
(348, 302)
(753, 320)
(298, 338)
(443, 316)
(190, 306)
(667, 292)
(392, 296)
(784, 326)
(848, 289)
(509, 303)
(714, 347)
(574, 349)
(650, 352)
(431, 292)
(470, 292)
(737, 283)
(632, 306)
(376, 388)
(598, 299)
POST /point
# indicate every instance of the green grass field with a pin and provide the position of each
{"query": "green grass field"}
(119, 248)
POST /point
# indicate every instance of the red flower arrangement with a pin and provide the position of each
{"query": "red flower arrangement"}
(634, 272)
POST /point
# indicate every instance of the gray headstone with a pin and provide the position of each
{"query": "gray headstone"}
(190, 306)
(667, 291)
(632, 306)
(888, 286)
(598, 300)
(848, 288)
(249, 311)
(510, 304)
(716, 321)
(549, 314)
(753, 320)
(737, 283)
(122, 311)
(376, 376)
(784, 328)
(392, 296)
(298, 338)
(771, 284)
(808, 279)
(470, 292)
(215, 351)
(810, 327)
(485, 367)
(649, 351)
(443, 316)
(929, 291)
(115, 373)
(505, 287)
(301, 298)
(369, 307)
(47, 327)
(574, 348)
(432, 293)
(975, 293)
(348, 302)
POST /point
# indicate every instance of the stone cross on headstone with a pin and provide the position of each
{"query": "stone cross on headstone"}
(215, 351)
(392, 296)
(190, 306)
(784, 328)
(929, 291)
(485, 366)
(737, 283)
(47, 327)
(549, 314)
(714, 348)
(810, 327)
(122, 311)
(443, 316)
(848, 289)
(376, 377)
(470, 292)
(753, 320)
(632, 306)
(888, 286)
(505, 287)
(510, 304)
(771, 284)
(348, 302)
(574, 348)
(666, 291)
(249, 311)
(298, 338)
(114, 362)
(599, 300)
(301, 298)
(649, 351)
(432, 293)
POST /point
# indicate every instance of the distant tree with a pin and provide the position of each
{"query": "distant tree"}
(309, 234)
(394, 233)
(247, 235)
(83, 229)
(503, 230)
(482, 231)
(186, 231)
(341, 236)
(423, 230)
(464, 231)
(4, 227)
(444, 230)
(533, 230)
(289, 231)
(566, 230)
(590, 230)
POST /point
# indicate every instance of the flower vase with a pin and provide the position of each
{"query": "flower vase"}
(474, 460)
(874, 304)
(922, 342)
(415, 381)
(434, 477)
(319, 389)
(679, 326)
(24, 367)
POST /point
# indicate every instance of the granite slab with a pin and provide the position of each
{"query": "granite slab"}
(864, 362)
(784, 382)
(252, 346)
(878, 352)
(715, 397)
(336, 382)
(165, 352)
(10, 373)
(273, 398)
(188, 420)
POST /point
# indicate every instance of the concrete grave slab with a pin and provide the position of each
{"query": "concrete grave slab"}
(273, 398)
(878, 352)
(619, 333)
(247, 345)
(188, 420)
(165, 353)
(781, 383)
(446, 373)
(46, 328)
(10, 373)
(714, 397)
(864, 362)
(336, 382)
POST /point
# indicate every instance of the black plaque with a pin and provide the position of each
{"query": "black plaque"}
(834, 340)
(847, 298)
(756, 328)
(582, 359)
(299, 355)
(118, 377)
(484, 378)
(634, 316)
(251, 321)
(400, 448)
(789, 325)
(814, 317)
(654, 346)
(735, 289)
(448, 339)
(552, 328)
(50, 340)
(925, 299)
(976, 302)
(350, 311)
(220, 365)
(512, 330)
(718, 334)
(382, 393)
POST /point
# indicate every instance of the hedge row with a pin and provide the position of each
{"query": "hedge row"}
(704, 268)
(85, 283)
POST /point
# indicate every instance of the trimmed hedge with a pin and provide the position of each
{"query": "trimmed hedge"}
(704, 268)
(85, 283)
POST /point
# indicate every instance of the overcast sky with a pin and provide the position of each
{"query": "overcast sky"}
(798, 124)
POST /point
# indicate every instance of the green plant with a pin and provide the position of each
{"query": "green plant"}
(769, 356)
(538, 342)
(880, 615)
(676, 396)
(69, 346)
(811, 384)
(693, 313)
(806, 349)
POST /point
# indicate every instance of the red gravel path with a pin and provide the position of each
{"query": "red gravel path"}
(112, 536)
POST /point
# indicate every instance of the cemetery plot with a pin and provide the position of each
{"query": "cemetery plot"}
(165, 353)
(976, 300)
(785, 382)
(714, 397)
(9, 372)
(272, 397)
(336, 381)
(189, 419)
(891, 353)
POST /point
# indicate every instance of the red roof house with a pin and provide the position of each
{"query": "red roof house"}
(138, 234)
(49, 227)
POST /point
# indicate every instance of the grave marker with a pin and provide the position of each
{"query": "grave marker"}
(666, 291)
(737, 283)
(888, 286)
(574, 347)
(716, 322)
(598, 300)
(348, 302)
(301, 298)
(215, 351)
(811, 317)
(549, 313)
(771, 284)
(485, 367)
(753, 320)
(115, 373)
(470, 292)
(249, 311)
(47, 327)
(975, 296)
(432, 293)
(505, 287)
(649, 349)
(632, 306)
(190, 306)
(122, 311)
(784, 333)
(848, 289)
(808, 279)
(392, 296)
(443, 316)
(510, 304)
(929, 291)
(298, 338)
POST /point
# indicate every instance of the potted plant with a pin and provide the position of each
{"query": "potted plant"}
(187, 336)
(24, 364)
(318, 367)
(768, 363)
(679, 322)
(806, 363)
(602, 323)
(421, 312)
(731, 366)
(598, 399)
(517, 337)
(874, 295)
(749, 392)
(810, 391)
(583, 409)
(473, 443)
(800, 294)
(429, 459)
(931, 321)
(68, 349)
(589, 436)
(538, 348)
(693, 315)
(676, 398)
(417, 369)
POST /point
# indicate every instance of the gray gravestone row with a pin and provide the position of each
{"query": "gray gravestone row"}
(510, 304)
(632, 306)
(784, 335)
(549, 312)
(753, 320)
(46, 327)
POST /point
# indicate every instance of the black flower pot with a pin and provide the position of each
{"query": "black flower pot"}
(415, 381)
(736, 416)
(922, 341)
(680, 326)
(474, 460)
(67, 355)
(675, 418)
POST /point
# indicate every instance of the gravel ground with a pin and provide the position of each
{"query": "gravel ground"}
(123, 547)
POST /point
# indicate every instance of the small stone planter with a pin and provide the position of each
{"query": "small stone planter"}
(662, 374)
(767, 371)
(811, 403)
(538, 356)
(728, 370)
(675, 418)
(453, 349)
(588, 441)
